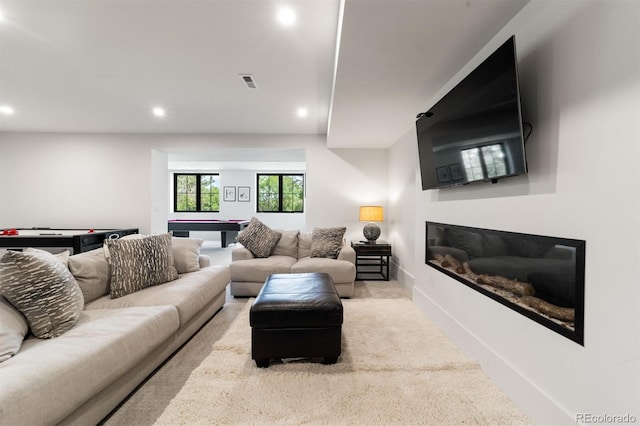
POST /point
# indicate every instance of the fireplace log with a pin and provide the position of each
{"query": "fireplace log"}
(514, 286)
(453, 263)
(564, 314)
(469, 272)
(439, 258)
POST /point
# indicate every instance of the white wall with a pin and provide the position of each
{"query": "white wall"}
(339, 181)
(403, 165)
(159, 204)
(88, 180)
(580, 78)
(74, 181)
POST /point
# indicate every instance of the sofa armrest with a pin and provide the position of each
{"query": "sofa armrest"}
(241, 253)
(204, 261)
(347, 253)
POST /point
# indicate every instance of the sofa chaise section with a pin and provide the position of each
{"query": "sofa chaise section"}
(82, 375)
(51, 378)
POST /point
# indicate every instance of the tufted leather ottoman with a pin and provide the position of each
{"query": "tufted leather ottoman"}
(296, 316)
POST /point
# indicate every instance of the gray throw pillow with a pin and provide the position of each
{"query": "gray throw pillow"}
(13, 328)
(327, 242)
(91, 272)
(43, 290)
(258, 238)
(287, 244)
(186, 254)
(140, 263)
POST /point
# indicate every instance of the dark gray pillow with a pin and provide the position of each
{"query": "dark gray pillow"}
(258, 238)
(493, 245)
(140, 263)
(327, 242)
(519, 246)
(470, 242)
(43, 290)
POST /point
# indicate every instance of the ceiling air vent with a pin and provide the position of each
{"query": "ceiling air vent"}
(249, 81)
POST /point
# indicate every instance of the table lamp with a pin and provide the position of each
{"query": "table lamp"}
(371, 214)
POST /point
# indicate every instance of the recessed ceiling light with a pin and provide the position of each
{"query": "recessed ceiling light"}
(7, 110)
(286, 16)
(303, 112)
(159, 112)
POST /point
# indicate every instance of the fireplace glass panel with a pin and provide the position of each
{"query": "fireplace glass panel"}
(540, 277)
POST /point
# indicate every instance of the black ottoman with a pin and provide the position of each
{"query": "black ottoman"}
(296, 316)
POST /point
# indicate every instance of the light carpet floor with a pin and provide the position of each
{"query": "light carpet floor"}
(396, 368)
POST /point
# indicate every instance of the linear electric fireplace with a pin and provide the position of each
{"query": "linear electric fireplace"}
(540, 277)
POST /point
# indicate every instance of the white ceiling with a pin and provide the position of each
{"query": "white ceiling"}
(101, 65)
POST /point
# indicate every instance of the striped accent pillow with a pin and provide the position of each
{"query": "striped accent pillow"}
(258, 238)
(43, 290)
(140, 263)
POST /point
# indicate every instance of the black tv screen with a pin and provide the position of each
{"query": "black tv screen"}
(474, 133)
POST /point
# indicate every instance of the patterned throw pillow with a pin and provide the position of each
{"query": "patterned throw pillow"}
(258, 238)
(327, 242)
(43, 290)
(140, 263)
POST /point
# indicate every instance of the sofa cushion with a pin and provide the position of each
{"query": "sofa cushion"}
(91, 271)
(43, 290)
(287, 244)
(257, 270)
(13, 328)
(326, 242)
(52, 378)
(341, 271)
(140, 263)
(258, 238)
(186, 254)
(189, 294)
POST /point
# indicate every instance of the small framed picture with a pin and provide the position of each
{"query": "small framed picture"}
(229, 193)
(244, 193)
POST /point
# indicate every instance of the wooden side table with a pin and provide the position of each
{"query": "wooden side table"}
(372, 260)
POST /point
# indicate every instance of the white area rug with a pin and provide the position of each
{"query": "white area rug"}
(396, 368)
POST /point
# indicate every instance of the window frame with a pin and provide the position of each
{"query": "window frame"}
(280, 192)
(198, 176)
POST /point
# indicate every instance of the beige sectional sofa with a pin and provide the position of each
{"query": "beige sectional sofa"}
(292, 254)
(82, 375)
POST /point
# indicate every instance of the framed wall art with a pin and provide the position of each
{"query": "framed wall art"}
(244, 193)
(229, 193)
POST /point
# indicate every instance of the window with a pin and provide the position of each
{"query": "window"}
(281, 193)
(484, 162)
(195, 192)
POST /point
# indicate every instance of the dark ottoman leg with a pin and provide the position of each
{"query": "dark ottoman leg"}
(262, 363)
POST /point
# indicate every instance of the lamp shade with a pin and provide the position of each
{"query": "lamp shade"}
(371, 214)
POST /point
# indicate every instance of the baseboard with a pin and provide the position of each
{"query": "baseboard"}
(401, 275)
(533, 401)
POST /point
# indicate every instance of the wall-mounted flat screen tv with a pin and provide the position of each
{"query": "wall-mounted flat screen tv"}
(475, 132)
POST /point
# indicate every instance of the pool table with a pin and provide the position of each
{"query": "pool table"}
(228, 228)
(56, 240)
